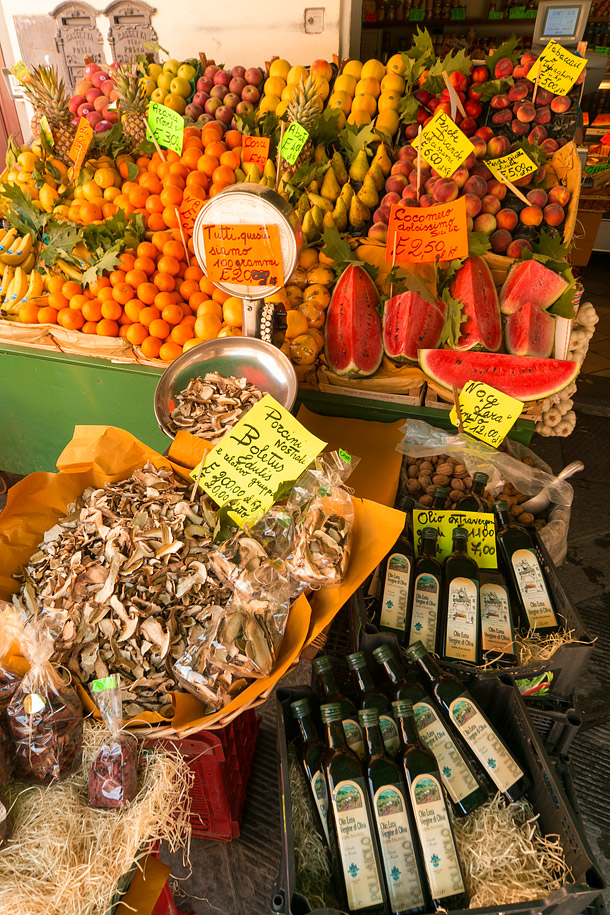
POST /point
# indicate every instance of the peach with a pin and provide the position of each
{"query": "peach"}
(498, 146)
(528, 59)
(411, 132)
(430, 183)
(560, 104)
(518, 92)
(553, 214)
(560, 195)
(507, 219)
(531, 216)
(396, 183)
(467, 125)
(485, 223)
(402, 167)
(427, 200)
(500, 101)
(481, 171)
(473, 204)
(480, 147)
(519, 128)
(378, 232)
(519, 72)
(496, 188)
(538, 135)
(407, 153)
(490, 204)
(459, 81)
(460, 176)
(502, 117)
(423, 177)
(517, 247)
(469, 224)
(526, 112)
(476, 185)
(473, 109)
(544, 96)
(543, 115)
(526, 180)
(500, 240)
(486, 133)
(382, 214)
(409, 193)
(538, 197)
(480, 75)
(445, 190)
(504, 68)
(470, 161)
(550, 146)
(474, 93)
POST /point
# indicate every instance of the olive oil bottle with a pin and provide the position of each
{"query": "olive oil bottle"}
(350, 807)
(457, 774)
(474, 727)
(475, 501)
(427, 591)
(398, 578)
(497, 631)
(441, 861)
(460, 639)
(529, 584)
(312, 751)
(371, 697)
(439, 498)
(400, 853)
(323, 667)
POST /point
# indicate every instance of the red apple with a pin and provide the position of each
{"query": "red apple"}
(98, 78)
(204, 83)
(193, 111)
(200, 98)
(250, 94)
(102, 126)
(253, 76)
(107, 87)
(232, 99)
(237, 85)
(238, 72)
(210, 71)
(222, 78)
(244, 108)
(224, 114)
(90, 69)
(219, 91)
(92, 94)
(84, 110)
(212, 105)
(75, 102)
(100, 102)
(94, 117)
(111, 116)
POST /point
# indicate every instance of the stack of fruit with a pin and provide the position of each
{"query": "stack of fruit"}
(221, 93)
(94, 97)
(19, 282)
(172, 83)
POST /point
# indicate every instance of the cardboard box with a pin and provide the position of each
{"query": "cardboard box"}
(587, 227)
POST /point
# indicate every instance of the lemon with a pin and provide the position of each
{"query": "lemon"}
(368, 86)
(352, 68)
(280, 68)
(393, 82)
(154, 71)
(389, 100)
(268, 103)
(365, 103)
(148, 84)
(275, 85)
(373, 68)
(396, 64)
(27, 161)
(296, 74)
(387, 122)
(340, 100)
(171, 66)
(346, 83)
(175, 102)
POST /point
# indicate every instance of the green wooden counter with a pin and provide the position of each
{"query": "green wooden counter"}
(43, 395)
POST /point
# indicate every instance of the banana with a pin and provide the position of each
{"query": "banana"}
(18, 251)
(29, 262)
(7, 240)
(2, 268)
(70, 271)
(34, 287)
(7, 278)
(3, 234)
(18, 291)
(8, 291)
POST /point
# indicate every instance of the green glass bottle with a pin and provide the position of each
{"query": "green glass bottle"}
(460, 628)
(398, 578)
(457, 774)
(441, 861)
(401, 857)
(466, 716)
(323, 667)
(352, 819)
(312, 751)
(497, 631)
(439, 498)
(474, 501)
(526, 575)
(371, 697)
(427, 591)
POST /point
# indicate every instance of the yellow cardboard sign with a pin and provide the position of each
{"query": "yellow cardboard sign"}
(443, 145)
(22, 73)
(559, 69)
(481, 533)
(517, 164)
(487, 414)
(266, 448)
(80, 144)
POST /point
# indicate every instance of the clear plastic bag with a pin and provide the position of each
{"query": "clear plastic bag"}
(6, 760)
(5, 824)
(422, 440)
(11, 632)
(113, 774)
(45, 715)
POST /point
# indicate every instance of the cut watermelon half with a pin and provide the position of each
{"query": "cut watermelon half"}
(523, 377)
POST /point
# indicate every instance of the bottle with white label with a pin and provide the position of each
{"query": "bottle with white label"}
(497, 631)
(352, 820)
(529, 584)
(400, 853)
(474, 501)
(323, 667)
(427, 591)
(432, 820)
(460, 639)
(312, 751)
(471, 723)
(457, 773)
(371, 697)
(397, 578)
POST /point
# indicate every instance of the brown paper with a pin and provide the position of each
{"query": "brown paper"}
(145, 888)
(187, 449)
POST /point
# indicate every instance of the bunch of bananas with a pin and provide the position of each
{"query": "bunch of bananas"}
(18, 286)
(16, 250)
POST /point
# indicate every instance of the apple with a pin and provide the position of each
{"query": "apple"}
(200, 98)
(100, 102)
(92, 94)
(204, 84)
(94, 117)
(237, 85)
(102, 126)
(224, 114)
(75, 102)
(250, 94)
(232, 99)
(244, 108)
(83, 110)
(204, 118)
(219, 91)
(222, 78)
(90, 69)
(238, 72)
(212, 105)
(111, 116)
(193, 111)
(210, 71)
(253, 76)
(98, 78)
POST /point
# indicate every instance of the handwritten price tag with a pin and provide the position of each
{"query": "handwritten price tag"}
(189, 208)
(420, 236)
(256, 149)
(559, 69)
(480, 526)
(294, 140)
(80, 144)
(21, 72)
(266, 448)
(443, 145)
(605, 140)
(487, 414)
(515, 165)
(166, 126)
(243, 255)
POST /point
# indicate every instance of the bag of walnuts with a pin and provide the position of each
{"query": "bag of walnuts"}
(113, 775)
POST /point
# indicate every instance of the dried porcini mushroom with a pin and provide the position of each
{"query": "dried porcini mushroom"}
(113, 774)
(208, 408)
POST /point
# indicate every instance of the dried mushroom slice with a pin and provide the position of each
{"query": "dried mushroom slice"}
(210, 406)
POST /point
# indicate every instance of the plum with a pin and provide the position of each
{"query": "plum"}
(517, 247)
(531, 216)
(485, 223)
(507, 219)
(504, 68)
(526, 112)
(490, 204)
(560, 195)
(553, 214)
(476, 185)
(497, 188)
(411, 132)
(473, 205)
(500, 240)
(422, 96)
(445, 190)
(537, 135)
(537, 197)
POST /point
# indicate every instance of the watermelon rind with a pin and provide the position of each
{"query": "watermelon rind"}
(524, 377)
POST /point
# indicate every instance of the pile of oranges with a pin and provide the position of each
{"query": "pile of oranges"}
(158, 299)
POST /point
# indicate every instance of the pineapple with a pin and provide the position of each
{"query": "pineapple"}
(133, 104)
(47, 93)
(304, 108)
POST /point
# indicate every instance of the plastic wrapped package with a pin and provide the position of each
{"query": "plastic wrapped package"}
(10, 632)
(113, 774)
(423, 440)
(5, 824)
(6, 758)
(45, 715)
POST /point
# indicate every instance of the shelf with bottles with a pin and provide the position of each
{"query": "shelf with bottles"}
(408, 13)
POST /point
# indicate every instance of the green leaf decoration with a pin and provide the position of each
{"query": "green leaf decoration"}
(535, 152)
(326, 128)
(354, 138)
(459, 62)
(454, 319)
(494, 87)
(445, 276)
(12, 151)
(154, 47)
(60, 238)
(107, 261)
(338, 248)
(421, 50)
(478, 244)
(21, 212)
(409, 107)
(132, 171)
(507, 49)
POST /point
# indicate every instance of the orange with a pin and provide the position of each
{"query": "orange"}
(126, 187)
(189, 321)
(207, 327)
(70, 288)
(173, 248)
(174, 181)
(90, 327)
(145, 264)
(171, 196)
(150, 182)
(143, 162)
(155, 222)
(116, 277)
(123, 166)
(107, 328)
(190, 158)
(172, 314)
(296, 323)
(70, 318)
(210, 308)
(109, 210)
(181, 333)
(231, 158)
(58, 301)
(164, 282)
(207, 163)
(153, 204)
(77, 301)
(92, 311)
(159, 328)
(216, 148)
(150, 347)
(111, 310)
(170, 217)
(216, 189)
(228, 331)
(194, 272)
(188, 288)
(136, 334)
(98, 283)
(232, 311)
(105, 293)
(90, 212)
(147, 249)
(219, 296)
(223, 175)
(197, 298)
(194, 341)
(233, 138)
(127, 259)
(47, 315)
(168, 264)
(132, 309)
(122, 293)
(138, 196)
(211, 132)
(149, 314)
(158, 240)
(123, 320)
(179, 168)
(28, 314)
(170, 351)
(146, 293)
(164, 300)
(206, 285)
(135, 277)
(197, 179)
(123, 330)
(55, 283)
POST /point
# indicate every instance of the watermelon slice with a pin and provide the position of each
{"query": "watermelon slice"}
(411, 323)
(530, 331)
(473, 285)
(523, 377)
(353, 345)
(531, 281)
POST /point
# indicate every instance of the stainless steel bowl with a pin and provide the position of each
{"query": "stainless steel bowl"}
(243, 357)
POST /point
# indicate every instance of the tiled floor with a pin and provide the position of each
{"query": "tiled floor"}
(596, 277)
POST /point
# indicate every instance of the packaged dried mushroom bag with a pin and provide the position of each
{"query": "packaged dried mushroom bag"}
(45, 715)
(10, 632)
(113, 774)
(6, 760)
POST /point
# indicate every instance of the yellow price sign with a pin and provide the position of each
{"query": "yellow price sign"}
(481, 534)
(487, 414)
(515, 165)
(443, 145)
(558, 68)
(266, 448)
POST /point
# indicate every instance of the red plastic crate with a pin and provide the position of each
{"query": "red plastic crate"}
(165, 904)
(220, 761)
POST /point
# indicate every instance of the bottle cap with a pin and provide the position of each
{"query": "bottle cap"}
(428, 533)
(441, 491)
(383, 653)
(405, 504)
(403, 708)
(501, 506)
(356, 660)
(480, 477)
(460, 532)
(416, 650)
(301, 708)
(322, 663)
(331, 711)
(368, 716)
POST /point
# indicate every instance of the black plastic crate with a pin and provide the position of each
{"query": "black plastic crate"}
(557, 721)
(562, 669)
(506, 709)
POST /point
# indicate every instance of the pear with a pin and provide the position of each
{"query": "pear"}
(377, 176)
(339, 168)
(253, 175)
(359, 213)
(269, 170)
(302, 206)
(240, 175)
(317, 201)
(309, 227)
(319, 155)
(330, 186)
(318, 217)
(329, 221)
(347, 192)
(382, 159)
(314, 186)
(368, 193)
(340, 214)
(359, 166)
